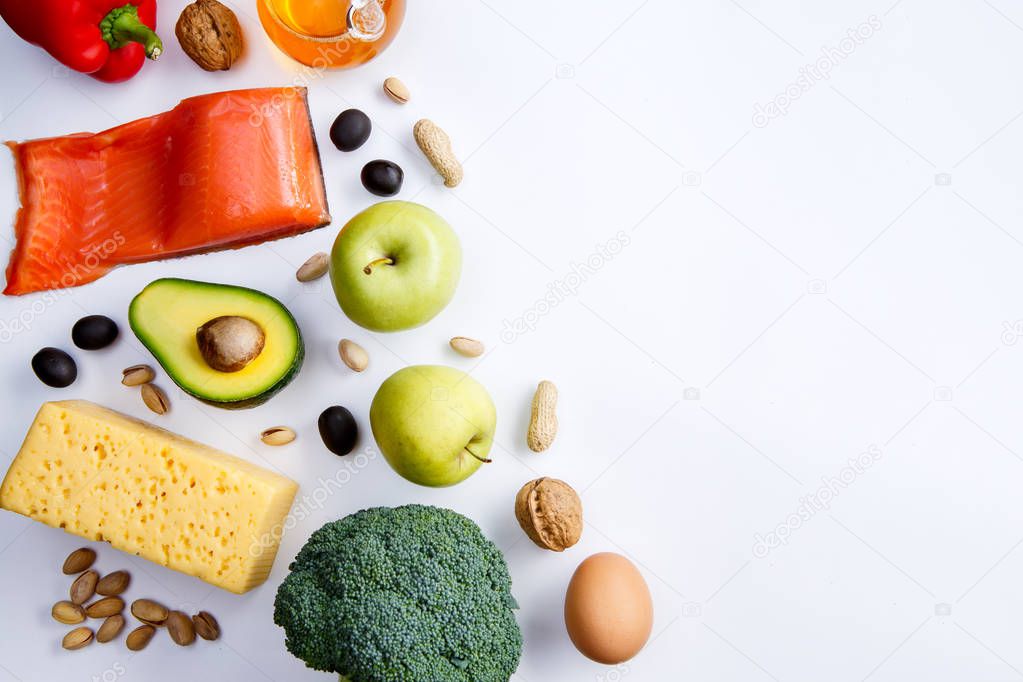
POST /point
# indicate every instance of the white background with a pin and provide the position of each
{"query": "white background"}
(845, 277)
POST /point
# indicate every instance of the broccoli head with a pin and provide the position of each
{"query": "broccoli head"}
(413, 593)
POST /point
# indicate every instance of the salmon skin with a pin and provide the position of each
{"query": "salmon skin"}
(217, 171)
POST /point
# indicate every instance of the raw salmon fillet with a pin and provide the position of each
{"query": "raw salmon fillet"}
(215, 172)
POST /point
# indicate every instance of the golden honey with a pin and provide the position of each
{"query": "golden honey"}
(331, 33)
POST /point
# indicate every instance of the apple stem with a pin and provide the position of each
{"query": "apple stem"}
(379, 261)
(485, 461)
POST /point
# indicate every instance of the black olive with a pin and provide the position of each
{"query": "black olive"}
(94, 332)
(350, 130)
(382, 178)
(338, 430)
(54, 367)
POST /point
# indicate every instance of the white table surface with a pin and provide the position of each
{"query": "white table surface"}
(789, 291)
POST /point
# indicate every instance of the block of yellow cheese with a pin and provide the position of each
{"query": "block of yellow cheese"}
(105, 476)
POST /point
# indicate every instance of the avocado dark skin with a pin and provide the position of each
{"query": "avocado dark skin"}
(166, 315)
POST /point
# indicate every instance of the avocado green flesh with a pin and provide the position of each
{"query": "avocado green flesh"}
(167, 313)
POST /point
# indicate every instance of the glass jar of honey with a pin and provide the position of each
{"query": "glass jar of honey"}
(331, 33)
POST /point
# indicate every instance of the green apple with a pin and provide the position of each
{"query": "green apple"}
(434, 424)
(395, 266)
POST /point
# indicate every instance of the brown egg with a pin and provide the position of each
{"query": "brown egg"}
(608, 610)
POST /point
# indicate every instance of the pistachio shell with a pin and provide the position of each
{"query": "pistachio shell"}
(396, 90)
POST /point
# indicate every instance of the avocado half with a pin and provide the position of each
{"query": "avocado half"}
(166, 314)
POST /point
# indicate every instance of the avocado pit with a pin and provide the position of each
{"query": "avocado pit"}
(229, 343)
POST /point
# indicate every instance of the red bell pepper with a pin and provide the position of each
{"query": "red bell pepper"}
(107, 39)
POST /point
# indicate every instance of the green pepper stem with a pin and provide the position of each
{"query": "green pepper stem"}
(122, 26)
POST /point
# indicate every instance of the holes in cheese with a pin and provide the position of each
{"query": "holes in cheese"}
(105, 476)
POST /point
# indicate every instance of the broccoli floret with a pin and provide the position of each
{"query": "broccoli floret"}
(413, 593)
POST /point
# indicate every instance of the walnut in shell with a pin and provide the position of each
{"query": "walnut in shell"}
(550, 512)
(210, 34)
